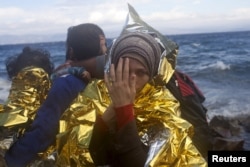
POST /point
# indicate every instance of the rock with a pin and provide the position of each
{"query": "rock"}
(229, 144)
(227, 133)
(225, 126)
(245, 122)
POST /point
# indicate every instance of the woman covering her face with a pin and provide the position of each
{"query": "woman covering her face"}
(129, 119)
(142, 125)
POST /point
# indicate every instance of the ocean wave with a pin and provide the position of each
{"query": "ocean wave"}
(196, 44)
(4, 90)
(217, 62)
(227, 100)
(218, 65)
(233, 108)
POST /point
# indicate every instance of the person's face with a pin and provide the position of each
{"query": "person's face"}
(140, 71)
(103, 45)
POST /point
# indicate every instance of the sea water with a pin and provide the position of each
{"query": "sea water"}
(219, 63)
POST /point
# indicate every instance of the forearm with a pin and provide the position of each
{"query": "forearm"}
(99, 142)
(127, 144)
(117, 139)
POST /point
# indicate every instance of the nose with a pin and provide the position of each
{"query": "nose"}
(131, 73)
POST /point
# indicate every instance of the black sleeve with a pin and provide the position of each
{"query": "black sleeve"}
(99, 143)
(122, 148)
(130, 151)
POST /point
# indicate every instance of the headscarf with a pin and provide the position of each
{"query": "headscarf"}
(142, 44)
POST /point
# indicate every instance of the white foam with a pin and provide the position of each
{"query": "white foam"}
(218, 65)
(221, 65)
(4, 89)
(231, 107)
(196, 44)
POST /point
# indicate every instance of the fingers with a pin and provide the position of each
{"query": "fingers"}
(86, 76)
(121, 86)
(118, 75)
(119, 70)
(125, 74)
(132, 84)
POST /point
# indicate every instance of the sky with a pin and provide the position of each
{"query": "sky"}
(22, 20)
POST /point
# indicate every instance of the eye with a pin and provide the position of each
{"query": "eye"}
(141, 73)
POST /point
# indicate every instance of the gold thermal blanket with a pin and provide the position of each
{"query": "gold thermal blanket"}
(158, 121)
(28, 90)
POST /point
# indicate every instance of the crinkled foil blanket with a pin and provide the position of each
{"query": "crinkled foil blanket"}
(158, 121)
(157, 116)
(28, 90)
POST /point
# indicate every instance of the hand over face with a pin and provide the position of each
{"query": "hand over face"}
(120, 84)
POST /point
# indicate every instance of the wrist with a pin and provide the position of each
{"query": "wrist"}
(121, 105)
(124, 114)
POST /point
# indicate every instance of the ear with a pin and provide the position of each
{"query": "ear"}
(103, 45)
(70, 53)
(102, 37)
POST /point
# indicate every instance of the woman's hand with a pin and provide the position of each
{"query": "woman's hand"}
(121, 86)
(109, 118)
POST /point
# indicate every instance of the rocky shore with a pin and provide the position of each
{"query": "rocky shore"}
(231, 133)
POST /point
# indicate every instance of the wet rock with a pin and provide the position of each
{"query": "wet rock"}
(230, 133)
(228, 144)
(245, 122)
(225, 126)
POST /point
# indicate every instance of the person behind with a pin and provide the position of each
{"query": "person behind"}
(29, 72)
(84, 45)
(29, 56)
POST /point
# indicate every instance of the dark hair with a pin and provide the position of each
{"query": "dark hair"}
(29, 57)
(84, 39)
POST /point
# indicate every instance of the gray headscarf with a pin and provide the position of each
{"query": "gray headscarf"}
(139, 43)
